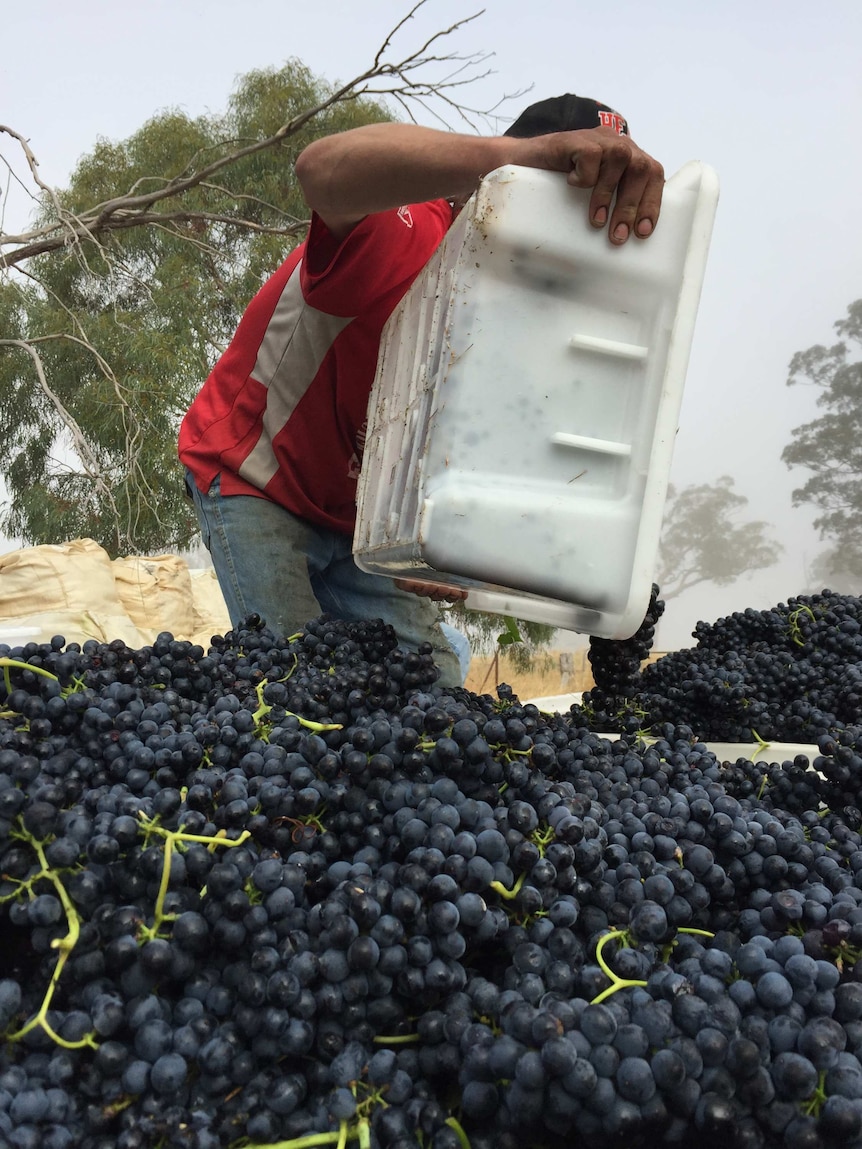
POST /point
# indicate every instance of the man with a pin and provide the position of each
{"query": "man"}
(273, 442)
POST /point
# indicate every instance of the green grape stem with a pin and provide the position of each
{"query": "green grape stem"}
(461, 1135)
(263, 709)
(812, 1105)
(541, 839)
(64, 947)
(172, 837)
(762, 745)
(795, 629)
(16, 664)
(617, 982)
(509, 894)
(308, 1141)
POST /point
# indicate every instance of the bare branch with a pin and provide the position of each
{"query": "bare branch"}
(239, 197)
(65, 219)
(404, 81)
(85, 453)
(32, 162)
(387, 43)
(122, 222)
(161, 218)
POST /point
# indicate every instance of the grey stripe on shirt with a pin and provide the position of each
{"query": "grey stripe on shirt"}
(295, 344)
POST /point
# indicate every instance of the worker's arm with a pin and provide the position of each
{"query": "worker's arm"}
(349, 175)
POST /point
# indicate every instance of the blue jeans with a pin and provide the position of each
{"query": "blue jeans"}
(290, 571)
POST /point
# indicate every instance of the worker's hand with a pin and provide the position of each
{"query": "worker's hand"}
(627, 183)
(431, 590)
(617, 169)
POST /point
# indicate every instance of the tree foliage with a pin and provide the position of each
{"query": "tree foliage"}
(830, 446)
(522, 640)
(836, 568)
(702, 542)
(115, 337)
(116, 302)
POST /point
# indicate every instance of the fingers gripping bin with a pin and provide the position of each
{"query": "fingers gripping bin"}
(527, 396)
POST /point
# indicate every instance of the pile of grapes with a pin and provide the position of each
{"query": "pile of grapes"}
(788, 674)
(290, 892)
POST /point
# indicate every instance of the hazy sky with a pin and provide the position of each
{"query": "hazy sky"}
(767, 91)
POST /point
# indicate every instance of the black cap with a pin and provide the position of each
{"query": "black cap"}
(566, 114)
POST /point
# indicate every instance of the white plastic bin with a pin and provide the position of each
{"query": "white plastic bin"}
(527, 396)
(19, 635)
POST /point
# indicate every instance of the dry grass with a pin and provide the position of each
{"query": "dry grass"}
(545, 678)
(550, 674)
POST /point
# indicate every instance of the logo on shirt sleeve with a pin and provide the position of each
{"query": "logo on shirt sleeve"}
(405, 216)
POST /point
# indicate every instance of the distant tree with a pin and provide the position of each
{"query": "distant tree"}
(832, 569)
(701, 542)
(521, 641)
(131, 281)
(830, 446)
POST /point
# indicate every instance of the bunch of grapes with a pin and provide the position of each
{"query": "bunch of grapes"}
(616, 665)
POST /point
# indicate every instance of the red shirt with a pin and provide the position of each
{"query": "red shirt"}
(283, 412)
